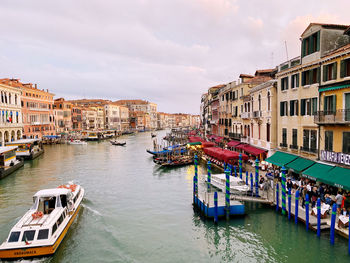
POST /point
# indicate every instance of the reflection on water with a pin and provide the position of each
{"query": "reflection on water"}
(136, 211)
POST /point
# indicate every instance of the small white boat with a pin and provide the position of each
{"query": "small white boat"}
(237, 185)
(77, 142)
(41, 230)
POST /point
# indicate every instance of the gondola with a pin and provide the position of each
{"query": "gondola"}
(118, 143)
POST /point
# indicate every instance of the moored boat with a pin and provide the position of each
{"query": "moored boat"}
(28, 149)
(118, 143)
(237, 185)
(8, 161)
(77, 142)
(41, 230)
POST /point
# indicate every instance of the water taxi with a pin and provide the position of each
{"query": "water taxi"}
(77, 142)
(8, 161)
(41, 230)
(28, 149)
(237, 185)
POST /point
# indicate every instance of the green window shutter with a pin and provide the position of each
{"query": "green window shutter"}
(309, 108)
(318, 41)
(281, 108)
(287, 82)
(318, 74)
(291, 107)
(311, 44)
(342, 68)
(310, 76)
(324, 104)
(302, 107)
(325, 72)
(334, 103)
(335, 65)
(297, 80)
(297, 107)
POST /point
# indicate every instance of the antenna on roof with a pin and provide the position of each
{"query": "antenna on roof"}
(285, 43)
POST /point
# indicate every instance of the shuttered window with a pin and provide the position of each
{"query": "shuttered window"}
(295, 81)
(330, 103)
(330, 71)
(345, 68)
(346, 142)
(310, 44)
(328, 137)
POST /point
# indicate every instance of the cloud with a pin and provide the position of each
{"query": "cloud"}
(164, 51)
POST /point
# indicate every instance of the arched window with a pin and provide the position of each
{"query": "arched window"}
(268, 101)
(252, 104)
(9, 98)
(259, 99)
(15, 99)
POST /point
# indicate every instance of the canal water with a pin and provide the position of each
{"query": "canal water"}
(135, 211)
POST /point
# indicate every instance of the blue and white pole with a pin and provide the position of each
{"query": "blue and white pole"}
(257, 177)
(227, 194)
(277, 197)
(283, 190)
(296, 206)
(289, 204)
(209, 175)
(240, 165)
(251, 184)
(334, 214)
(307, 202)
(319, 217)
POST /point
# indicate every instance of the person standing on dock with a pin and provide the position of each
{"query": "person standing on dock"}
(303, 196)
(339, 201)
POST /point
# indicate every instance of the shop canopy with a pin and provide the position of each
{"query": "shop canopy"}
(223, 155)
(299, 164)
(194, 143)
(339, 177)
(233, 143)
(218, 139)
(318, 172)
(241, 146)
(253, 150)
(208, 144)
(195, 139)
(281, 158)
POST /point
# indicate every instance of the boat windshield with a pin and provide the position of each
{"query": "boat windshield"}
(35, 203)
(14, 236)
(47, 204)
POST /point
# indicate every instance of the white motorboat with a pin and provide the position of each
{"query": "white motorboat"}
(41, 230)
(77, 142)
(237, 185)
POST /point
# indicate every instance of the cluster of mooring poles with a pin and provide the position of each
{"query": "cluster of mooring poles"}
(307, 204)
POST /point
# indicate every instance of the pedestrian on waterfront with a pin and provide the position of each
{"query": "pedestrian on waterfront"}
(321, 192)
(289, 184)
(303, 196)
(339, 201)
(314, 197)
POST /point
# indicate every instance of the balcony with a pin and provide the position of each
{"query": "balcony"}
(257, 114)
(341, 116)
(245, 115)
(245, 139)
(235, 136)
(307, 149)
(293, 147)
(283, 145)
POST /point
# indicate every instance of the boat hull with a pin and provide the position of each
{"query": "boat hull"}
(32, 252)
(10, 170)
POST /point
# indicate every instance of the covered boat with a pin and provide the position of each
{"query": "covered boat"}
(237, 185)
(28, 149)
(41, 230)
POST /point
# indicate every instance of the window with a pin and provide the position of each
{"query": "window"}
(28, 235)
(330, 71)
(295, 138)
(43, 234)
(259, 126)
(293, 105)
(283, 108)
(284, 83)
(268, 131)
(306, 139)
(54, 228)
(284, 137)
(14, 236)
(346, 142)
(345, 68)
(310, 76)
(259, 101)
(328, 135)
(314, 106)
(313, 141)
(268, 101)
(310, 44)
(310, 140)
(295, 81)
(329, 106)
(305, 107)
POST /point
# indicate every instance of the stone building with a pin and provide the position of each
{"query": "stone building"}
(63, 115)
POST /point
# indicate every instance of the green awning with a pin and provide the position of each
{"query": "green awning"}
(334, 88)
(299, 164)
(194, 143)
(281, 158)
(318, 172)
(340, 177)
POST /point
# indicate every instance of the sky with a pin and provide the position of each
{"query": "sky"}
(165, 51)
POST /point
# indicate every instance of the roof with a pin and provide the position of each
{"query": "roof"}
(52, 192)
(5, 149)
(281, 158)
(233, 143)
(25, 86)
(330, 26)
(22, 141)
(347, 31)
(246, 76)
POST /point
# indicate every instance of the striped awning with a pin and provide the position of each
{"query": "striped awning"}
(334, 88)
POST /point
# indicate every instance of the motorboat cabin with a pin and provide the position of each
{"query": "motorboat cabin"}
(237, 185)
(28, 149)
(8, 161)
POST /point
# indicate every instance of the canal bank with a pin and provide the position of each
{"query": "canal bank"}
(136, 211)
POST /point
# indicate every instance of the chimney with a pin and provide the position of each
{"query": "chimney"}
(35, 86)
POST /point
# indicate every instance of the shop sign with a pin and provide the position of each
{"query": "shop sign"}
(341, 158)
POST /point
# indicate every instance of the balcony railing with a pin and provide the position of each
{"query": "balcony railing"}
(236, 136)
(257, 114)
(283, 145)
(245, 115)
(341, 116)
(308, 149)
(295, 147)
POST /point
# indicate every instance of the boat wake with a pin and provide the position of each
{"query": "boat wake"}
(91, 210)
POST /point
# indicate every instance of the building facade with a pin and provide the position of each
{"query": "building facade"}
(63, 116)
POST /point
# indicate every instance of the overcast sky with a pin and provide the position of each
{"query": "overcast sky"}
(165, 51)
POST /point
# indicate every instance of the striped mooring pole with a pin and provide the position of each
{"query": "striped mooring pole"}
(227, 194)
(196, 174)
(209, 175)
(246, 177)
(277, 197)
(296, 206)
(289, 204)
(283, 190)
(349, 237)
(307, 202)
(257, 177)
(319, 217)
(251, 184)
(230, 166)
(216, 207)
(334, 214)
(240, 165)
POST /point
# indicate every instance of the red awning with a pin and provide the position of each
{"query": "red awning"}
(253, 150)
(233, 143)
(218, 139)
(208, 144)
(241, 146)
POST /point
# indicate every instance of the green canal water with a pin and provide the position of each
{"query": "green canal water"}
(135, 211)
